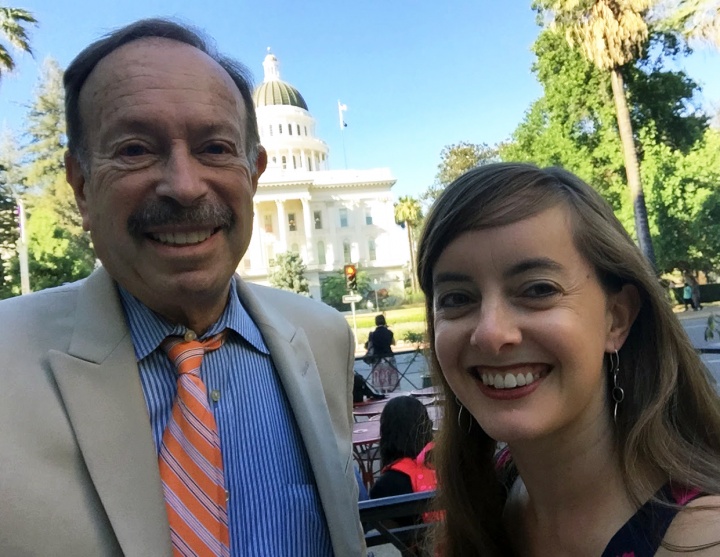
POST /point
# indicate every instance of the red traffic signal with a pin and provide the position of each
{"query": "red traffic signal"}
(350, 277)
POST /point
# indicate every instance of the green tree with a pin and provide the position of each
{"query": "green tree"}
(333, 288)
(610, 34)
(457, 159)
(289, 273)
(697, 21)
(13, 23)
(574, 126)
(60, 251)
(408, 214)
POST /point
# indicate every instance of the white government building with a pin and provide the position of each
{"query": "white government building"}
(330, 217)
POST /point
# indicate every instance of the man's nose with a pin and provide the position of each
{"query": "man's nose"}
(496, 329)
(182, 178)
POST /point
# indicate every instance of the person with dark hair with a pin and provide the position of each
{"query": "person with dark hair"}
(384, 376)
(163, 406)
(406, 434)
(579, 419)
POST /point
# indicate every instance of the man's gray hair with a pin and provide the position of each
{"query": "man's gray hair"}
(84, 63)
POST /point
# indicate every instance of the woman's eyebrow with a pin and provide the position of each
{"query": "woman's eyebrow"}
(451, 277)
(532, 264)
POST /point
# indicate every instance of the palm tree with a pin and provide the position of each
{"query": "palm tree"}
(610, 34)
(12, 28)
(698, 21)
(408, 214)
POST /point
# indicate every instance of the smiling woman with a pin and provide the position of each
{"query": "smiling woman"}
(551, 335)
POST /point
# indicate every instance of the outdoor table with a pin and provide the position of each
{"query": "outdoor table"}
(427, 391)
(365, 437)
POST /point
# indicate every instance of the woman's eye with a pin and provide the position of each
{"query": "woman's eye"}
(540, 290)
(452, 300)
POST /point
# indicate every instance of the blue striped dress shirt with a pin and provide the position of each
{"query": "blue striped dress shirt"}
(274, 507)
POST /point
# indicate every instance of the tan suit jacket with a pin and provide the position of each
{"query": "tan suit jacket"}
(78, 465)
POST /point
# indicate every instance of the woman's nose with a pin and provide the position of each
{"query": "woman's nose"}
(496, 328)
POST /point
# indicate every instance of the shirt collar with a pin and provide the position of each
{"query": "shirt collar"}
(148, 329)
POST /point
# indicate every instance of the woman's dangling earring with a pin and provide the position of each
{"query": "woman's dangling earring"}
(617, 392)
(460, 404)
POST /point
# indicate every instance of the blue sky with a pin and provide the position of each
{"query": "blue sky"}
(415, 75)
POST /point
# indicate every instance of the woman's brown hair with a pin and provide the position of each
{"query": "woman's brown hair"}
(669, 423)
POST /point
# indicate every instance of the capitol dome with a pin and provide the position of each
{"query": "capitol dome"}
(273, 91)
(286, 127)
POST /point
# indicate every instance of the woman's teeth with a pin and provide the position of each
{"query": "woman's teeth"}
(509, 380)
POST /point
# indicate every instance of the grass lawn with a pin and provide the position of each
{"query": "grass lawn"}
(400, 320)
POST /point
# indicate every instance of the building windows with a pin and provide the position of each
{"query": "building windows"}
(298, 129)
(274, 161)
(309, 166)
(290, 129)
(294, 162)
(305, 130)
(371, 250)
(268, 224)
(368, 215)
(321, 253)
(346, 251)
(284, 162)
(317, 215)
(292, 227)
(270, 129)
(270, 251)
(343, 217)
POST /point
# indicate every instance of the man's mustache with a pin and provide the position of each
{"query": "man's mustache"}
(163, 212)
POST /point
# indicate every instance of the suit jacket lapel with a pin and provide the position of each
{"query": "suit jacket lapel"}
(295, 363)
(100, 386)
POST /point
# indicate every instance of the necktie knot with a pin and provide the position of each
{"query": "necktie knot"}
(186, 355)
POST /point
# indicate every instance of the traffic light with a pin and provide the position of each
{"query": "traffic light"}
(351, 277)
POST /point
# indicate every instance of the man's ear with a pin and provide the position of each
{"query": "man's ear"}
(260, 166)
(76, 178)
(623, 309)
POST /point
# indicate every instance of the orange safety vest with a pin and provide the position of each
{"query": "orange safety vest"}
(422, 477)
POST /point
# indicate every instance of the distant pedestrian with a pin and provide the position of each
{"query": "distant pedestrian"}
(696, 296)
(687, 296)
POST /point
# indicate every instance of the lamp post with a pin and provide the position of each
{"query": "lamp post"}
(22, 249)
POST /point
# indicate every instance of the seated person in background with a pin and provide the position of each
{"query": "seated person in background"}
(361, 390)
(405, 439)
(384, 375)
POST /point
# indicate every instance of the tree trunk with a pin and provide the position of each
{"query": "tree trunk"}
(632, 168)
(413, 279)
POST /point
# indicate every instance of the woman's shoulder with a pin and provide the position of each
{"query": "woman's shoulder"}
(696, 525)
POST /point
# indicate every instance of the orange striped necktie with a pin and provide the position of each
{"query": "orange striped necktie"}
(190, 459)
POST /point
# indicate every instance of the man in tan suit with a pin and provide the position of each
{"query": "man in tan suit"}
(164, 159)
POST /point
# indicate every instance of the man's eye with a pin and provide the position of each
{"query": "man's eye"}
(133, 150)
(216, 149)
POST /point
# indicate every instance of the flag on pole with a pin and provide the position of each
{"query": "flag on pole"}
(342, 108)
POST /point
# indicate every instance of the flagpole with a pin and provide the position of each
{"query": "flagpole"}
(342, 108)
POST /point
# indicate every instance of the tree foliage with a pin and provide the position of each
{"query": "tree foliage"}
(697, 21)
(333, 288)
(60, 251)
(289, 273)
(13, 24)
(610, 34)
(408, 214)
(574, 125)
(457, 159)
